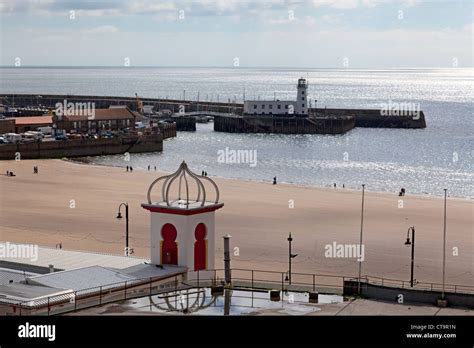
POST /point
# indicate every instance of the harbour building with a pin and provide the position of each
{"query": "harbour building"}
(281, 107)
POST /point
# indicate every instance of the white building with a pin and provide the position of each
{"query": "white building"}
(182, 228)
(280, 107)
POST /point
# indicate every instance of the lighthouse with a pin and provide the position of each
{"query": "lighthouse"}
(301, 107)
(182, 227)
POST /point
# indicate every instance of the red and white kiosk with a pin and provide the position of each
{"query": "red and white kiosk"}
(183, 228)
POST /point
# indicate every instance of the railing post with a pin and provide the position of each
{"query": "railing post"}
(150, 285)
(125, 291)
(176, 292)
(48, 306)
(198, 280)
(282, 281)
(314, 282)
(252, 279)
(75, 301)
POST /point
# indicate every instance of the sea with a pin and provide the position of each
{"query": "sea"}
(423, 161)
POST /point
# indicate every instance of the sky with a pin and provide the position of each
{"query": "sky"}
(238, 33)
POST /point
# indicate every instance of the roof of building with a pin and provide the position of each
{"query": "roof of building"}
(93, 277)
(69, 259)
(184, 179)
(19, 292)
(13, 276)
(274, 102)
(106, 114)
(32, 120)
(81, 278)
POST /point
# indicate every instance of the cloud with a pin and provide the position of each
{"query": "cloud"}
(103, 29)
(166, 8)
(352, 4)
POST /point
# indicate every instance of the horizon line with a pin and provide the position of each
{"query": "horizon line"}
(232, 67)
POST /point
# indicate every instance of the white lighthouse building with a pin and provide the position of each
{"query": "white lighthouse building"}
(279, 107)
(183, 220)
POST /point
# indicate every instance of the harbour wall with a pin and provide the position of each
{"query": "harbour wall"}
(284, 125)
(82, 147)
(168, 130)
(372, 118)
(50, 100)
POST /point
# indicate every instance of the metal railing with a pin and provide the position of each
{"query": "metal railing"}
(241, 279)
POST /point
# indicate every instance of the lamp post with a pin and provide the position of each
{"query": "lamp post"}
(290, 256)
(444, 244)
(119, 216)
(412, 243)
(361, 229)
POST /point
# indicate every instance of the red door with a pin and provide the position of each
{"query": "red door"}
(200, 246)
(169, 248)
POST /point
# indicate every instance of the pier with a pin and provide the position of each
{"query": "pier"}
(284, 125)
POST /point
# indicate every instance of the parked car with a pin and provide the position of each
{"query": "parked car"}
(60, 137)
(45, 130)
(13, 138)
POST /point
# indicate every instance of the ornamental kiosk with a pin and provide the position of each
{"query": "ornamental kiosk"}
(182, 228)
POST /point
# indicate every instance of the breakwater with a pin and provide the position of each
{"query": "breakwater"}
(174, 105)
(82, 147)
(284, 125)
(372, 118)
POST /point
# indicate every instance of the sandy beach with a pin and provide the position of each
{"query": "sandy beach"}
(76, 205)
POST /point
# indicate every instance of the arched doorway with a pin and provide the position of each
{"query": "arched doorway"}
(200, 247)
(169, 247)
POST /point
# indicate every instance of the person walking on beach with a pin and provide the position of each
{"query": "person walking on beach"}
(127, 168)
(155, 168)
(148, 167)
(131, 169)
(274, 180)
(335, 185)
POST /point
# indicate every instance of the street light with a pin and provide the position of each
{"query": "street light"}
(290, 256)
(444, 244)
(412, 243)
(361, 229)
(119, 216)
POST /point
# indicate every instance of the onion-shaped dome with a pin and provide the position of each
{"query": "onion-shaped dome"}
(183, 178)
